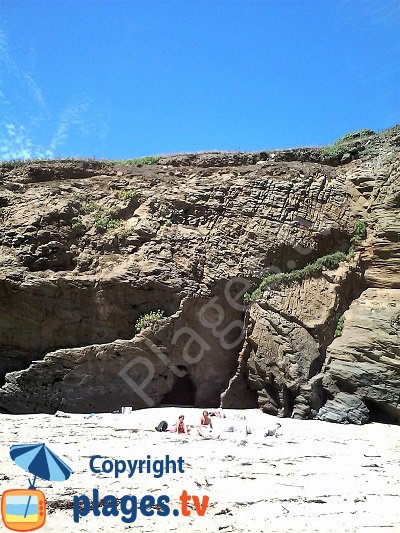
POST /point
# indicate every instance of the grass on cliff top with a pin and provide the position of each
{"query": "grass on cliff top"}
(138, 162)
(364, 142)
(348, 142)
(16, 163)
(330, 261)
(352, 141)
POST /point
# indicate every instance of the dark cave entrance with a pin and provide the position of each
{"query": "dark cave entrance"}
(183, 391)
(378, 413)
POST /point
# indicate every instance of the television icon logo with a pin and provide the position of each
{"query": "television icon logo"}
(23, 509)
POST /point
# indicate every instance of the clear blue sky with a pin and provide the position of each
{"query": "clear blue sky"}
(126, 78)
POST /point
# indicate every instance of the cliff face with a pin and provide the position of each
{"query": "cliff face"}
(87, 248)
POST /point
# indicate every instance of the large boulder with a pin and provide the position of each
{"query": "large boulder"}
(365, 360)
(344, 409)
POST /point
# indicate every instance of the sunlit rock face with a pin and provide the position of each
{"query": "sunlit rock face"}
(365, 360)
(88, 247)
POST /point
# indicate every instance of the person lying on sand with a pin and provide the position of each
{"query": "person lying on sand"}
(218, 413)
(238, 424)
(180, 426)
(205, 420)
(273, 432)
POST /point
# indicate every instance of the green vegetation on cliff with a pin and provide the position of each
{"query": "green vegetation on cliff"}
(348, 143)
(103, 219)
(330, 261)
(86, 161)
(104, 223)
(339, 327)
(137, 162)
(127, 194)
(358, 235)
(147, 319)
(360, 231)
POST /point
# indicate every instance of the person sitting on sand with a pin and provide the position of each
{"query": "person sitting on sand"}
(180, 426)
(205, 420)
(273, 432)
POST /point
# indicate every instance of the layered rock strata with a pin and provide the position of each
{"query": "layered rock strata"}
(87, 248)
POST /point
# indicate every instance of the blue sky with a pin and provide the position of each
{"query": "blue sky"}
(127, 78)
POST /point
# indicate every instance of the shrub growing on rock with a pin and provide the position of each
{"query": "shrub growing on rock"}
(330, 261)
(339, 327)
(127, 194)
(148, 319)
(360, 231)
(77, 226)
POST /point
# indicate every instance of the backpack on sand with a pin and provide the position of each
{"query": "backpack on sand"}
(162, 426)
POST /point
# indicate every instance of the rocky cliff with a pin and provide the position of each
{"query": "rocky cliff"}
(269, 279)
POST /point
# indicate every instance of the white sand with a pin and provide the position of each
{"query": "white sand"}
(315, 477)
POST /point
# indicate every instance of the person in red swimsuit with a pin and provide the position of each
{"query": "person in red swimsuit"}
(180, 426)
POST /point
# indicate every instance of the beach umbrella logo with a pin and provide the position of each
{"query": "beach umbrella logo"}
(25, 509)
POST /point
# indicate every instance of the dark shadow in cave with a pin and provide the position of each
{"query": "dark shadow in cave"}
(13, 360)
(377, 413)
(183, 391)
(289, 397)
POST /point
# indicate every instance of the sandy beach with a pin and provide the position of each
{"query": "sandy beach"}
(315, 476)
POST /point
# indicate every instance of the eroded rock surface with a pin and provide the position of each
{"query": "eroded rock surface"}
(365, 361)
(288, 330)
(86, 248)
(290, 357)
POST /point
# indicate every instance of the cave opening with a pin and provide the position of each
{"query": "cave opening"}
(378, 413)
(183, 391)
(289, 397)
